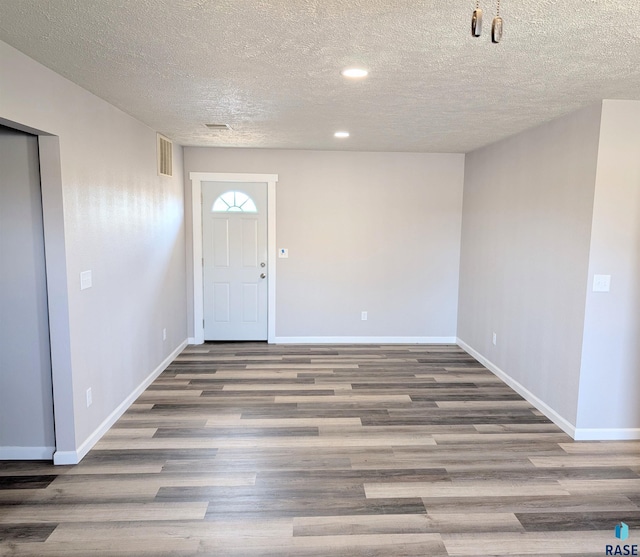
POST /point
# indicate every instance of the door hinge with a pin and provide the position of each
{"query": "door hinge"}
(203, 323)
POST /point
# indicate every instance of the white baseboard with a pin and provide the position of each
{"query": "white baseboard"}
(607, 434)
(26, 453)
(365, 340)
(549, 412)
(74, 457)
(192, 340)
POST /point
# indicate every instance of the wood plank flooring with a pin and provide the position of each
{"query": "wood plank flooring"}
(247, 449)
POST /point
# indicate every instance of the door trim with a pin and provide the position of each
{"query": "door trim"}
(57, 285)
(196, 218)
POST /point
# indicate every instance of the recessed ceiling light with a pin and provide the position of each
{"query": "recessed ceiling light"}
(341, 135)
(354, 72)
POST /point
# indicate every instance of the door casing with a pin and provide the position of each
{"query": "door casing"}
(196, 215)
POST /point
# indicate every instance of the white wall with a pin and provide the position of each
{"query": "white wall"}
(528, 204)
(375, 232)
(115, 217)
(610, 377)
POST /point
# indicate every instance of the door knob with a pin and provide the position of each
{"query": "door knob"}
(262, 275)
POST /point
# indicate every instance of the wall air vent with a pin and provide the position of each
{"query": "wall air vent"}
(218, 127)
(165, 156)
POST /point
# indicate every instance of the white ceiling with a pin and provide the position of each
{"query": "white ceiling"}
(271, 69)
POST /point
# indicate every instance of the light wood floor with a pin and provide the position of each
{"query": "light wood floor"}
(243, 450)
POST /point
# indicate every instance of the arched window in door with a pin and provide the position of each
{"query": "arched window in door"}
(234, 202)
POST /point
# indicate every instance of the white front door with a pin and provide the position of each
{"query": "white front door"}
(234, 249)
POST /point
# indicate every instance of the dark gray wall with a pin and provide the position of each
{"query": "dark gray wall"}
(26, 406)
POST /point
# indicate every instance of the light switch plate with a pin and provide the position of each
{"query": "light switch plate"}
(601, 283)
(86, 280)
(283, 253)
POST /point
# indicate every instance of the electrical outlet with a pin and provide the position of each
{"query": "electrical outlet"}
(89, 397)
(495, 339)
(164, 334)
(364, 316)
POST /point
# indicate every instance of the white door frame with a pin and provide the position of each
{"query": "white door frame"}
(196, 215)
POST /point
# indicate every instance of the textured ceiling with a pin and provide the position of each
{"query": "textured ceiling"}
(271, 69)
